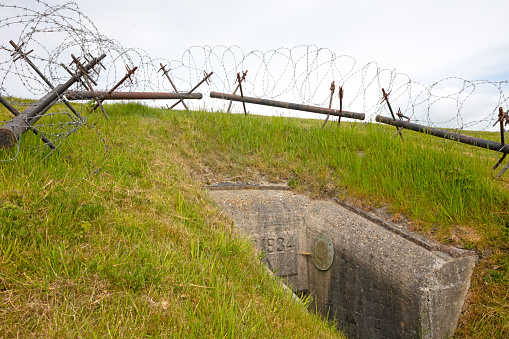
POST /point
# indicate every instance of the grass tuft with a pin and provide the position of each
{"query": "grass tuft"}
(140, 250)
(137, 250)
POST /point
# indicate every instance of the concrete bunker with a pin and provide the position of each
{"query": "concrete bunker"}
(375, 278)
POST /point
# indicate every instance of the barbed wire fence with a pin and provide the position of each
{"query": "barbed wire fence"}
(301, 74)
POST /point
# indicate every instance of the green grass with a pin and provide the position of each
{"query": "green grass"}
(428, 179)
(441, 189)
(139, 249)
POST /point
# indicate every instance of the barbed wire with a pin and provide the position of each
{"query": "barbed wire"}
(301, 74)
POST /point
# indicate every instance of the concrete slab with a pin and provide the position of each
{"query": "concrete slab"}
(384, 282)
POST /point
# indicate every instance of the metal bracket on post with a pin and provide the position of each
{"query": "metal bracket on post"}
(503, 119)
(127, 76)
(241, 92)
(21, 55)
(237, 88)
(165, 72)
(386, 99)
(400, 116)
(75, 77)
(88, 79)
(92, 57)
(205, 79)
(82, 69)
(332, 89)
(340, 95)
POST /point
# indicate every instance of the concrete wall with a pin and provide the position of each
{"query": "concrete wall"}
(384, 282)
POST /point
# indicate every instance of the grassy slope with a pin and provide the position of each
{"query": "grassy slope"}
(145, 244)
(439, 188)
(138, 250)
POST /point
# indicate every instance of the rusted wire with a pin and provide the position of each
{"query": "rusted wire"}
(296, 74)
(332, 89)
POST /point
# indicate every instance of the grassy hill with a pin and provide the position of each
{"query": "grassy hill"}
(138, 249)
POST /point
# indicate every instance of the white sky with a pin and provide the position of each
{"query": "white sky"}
(428, 40)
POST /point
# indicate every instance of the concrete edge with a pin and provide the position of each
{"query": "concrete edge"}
(453, 252)
(244, 186)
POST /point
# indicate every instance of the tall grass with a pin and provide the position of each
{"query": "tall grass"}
(136, 250)
(441, 189)
(139, 249)
(430, 180)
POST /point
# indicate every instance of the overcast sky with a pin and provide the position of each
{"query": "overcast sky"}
(428, 40)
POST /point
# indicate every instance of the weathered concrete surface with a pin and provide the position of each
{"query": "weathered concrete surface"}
(277, 225)
(384, 282)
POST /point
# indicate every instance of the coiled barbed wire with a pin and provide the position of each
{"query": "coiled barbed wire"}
(300, 74)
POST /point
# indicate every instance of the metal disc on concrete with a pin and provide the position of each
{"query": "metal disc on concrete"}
(322, 251)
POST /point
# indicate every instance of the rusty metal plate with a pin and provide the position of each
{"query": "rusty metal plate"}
(322, 252)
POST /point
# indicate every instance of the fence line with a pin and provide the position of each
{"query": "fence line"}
(301, 74)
